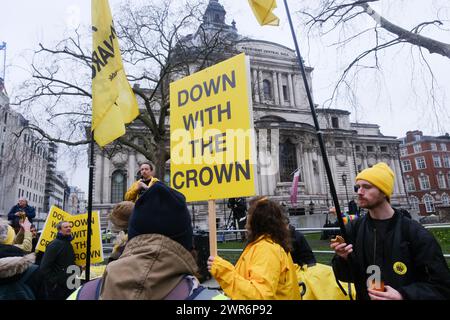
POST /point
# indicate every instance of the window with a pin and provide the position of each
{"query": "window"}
(339, 144)
(288, 161)
(445, 199)
(267, 89)
(446, 161)
(370, 148)
(414, 201)
(410, 184)
(437, 161)
(357, 148)
(424, 182)
(335, 122)
(441, 181)
(6, 118)
(118, 183)
(403, 152)
(285, 93)
(433, 146)
(429, 203)
(383, 149)
(406, 165)
(417, 148)
(448, 178)
(420, 163)
(443, 147)
(417, 137)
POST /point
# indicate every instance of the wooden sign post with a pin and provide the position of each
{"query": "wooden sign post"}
(212, 227)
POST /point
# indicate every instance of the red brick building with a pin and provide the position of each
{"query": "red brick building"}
(426, 170)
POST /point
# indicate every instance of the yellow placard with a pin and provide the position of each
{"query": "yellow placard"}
(79, 233)
(212, 136)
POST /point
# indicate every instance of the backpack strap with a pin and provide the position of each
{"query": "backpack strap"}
(90, 290)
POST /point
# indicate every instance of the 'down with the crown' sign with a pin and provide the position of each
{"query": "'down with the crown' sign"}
(212, 137)
(78, 225)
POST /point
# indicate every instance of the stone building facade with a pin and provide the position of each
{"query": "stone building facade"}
(426, 169)
(286, 140)
(23, 160)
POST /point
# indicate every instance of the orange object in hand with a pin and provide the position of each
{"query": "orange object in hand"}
(380, 288)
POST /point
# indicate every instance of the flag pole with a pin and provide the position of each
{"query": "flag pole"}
(318, 130)
(89, 217)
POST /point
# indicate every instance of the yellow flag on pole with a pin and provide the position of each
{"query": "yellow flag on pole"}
(263, 12)
(113, 100)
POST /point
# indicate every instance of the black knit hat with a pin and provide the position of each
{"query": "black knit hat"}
(162, 210)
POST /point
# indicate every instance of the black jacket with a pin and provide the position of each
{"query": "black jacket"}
(29, 211)
(58, 256)
(427, 275)
(301, 251)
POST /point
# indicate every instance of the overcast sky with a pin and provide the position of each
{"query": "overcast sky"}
(395, 99)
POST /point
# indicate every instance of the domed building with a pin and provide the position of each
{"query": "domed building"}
(286, 138)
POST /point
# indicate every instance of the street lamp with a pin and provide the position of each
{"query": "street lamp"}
(344, 181)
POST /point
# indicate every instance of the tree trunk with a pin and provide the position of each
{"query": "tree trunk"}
(160, 161)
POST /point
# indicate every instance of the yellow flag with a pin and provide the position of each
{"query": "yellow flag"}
(263, 12)
(113, 100)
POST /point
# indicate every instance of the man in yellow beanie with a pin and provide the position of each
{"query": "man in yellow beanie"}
(391, 257)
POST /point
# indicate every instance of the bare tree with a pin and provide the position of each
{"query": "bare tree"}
(350, 20)
(159, 42)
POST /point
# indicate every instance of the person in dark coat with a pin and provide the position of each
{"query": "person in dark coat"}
(19, 211)
(301, 251)
(397, 254)
(58, 256)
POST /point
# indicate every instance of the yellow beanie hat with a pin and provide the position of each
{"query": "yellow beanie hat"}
(381, 176)
(7, 235)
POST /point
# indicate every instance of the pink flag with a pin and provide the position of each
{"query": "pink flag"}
(294, 187)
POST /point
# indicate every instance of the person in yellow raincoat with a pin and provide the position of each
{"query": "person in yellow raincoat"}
(265, 269)
(140, 186)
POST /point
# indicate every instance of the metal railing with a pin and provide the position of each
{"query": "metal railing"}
(426, 226)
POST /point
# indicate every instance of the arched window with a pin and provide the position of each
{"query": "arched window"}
(288, 161)
(267, 88)
(118, 185)
(445, 199)
(429, 203)
(414, 201)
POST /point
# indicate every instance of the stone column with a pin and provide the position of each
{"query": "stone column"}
(275, 88)
(256, 85)
(260, 85)
(280, 88)
(274, 160)
(106, 180)
(262, 160)
(307, 172)
(297, 89)
(322, 176)
(131, 168)
(291, 90)
(401, 187)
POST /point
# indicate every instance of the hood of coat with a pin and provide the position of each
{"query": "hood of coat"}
(11, 266)
(150, 266)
